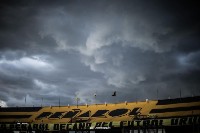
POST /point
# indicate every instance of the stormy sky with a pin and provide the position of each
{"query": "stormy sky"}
(51, 50)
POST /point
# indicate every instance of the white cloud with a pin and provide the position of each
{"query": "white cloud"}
(188, 61)
(25, 63)
(137, 79)
(49, 89)
(97, 39)
(3, 104)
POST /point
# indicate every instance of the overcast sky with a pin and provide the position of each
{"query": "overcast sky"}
(78, 48)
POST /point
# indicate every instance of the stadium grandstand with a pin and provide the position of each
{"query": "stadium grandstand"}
(180, 115)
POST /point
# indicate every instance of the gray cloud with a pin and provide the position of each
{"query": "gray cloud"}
(65, 49)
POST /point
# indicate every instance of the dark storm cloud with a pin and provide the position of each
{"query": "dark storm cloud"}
(68, 49)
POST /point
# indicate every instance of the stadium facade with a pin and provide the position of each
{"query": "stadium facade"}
(150, 116)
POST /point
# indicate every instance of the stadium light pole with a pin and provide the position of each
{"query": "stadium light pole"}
(77, 99)
(25, 101)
